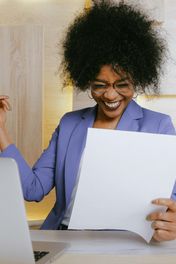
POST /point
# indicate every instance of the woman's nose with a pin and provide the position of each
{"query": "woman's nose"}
(111, 93)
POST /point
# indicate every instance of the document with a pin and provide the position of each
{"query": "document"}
(121, 173)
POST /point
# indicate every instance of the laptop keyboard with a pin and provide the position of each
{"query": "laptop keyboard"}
(39, 254)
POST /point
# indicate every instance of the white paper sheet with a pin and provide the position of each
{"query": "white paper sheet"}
(122, 172)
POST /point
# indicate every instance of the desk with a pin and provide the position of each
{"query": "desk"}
(110, 247)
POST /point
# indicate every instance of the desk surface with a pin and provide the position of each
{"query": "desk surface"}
(108, 247)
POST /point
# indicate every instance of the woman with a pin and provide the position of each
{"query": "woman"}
(113, 52)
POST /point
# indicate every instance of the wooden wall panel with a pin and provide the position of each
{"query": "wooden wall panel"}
(21, 78)
(6, 74)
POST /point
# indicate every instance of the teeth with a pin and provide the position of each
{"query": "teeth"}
(112, 105)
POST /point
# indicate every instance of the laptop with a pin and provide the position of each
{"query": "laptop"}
(15, 243)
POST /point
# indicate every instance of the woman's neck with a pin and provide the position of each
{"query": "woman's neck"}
(106, 123)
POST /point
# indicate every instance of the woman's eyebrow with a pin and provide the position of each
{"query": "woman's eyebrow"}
(105, 81)
(101, 80)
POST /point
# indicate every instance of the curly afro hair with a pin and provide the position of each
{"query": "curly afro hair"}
(113, 34)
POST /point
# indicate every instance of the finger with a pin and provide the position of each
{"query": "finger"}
(168, 216)
(171, 204)
(163, 235)
(5, 105)
(168, 226)
(4, 97)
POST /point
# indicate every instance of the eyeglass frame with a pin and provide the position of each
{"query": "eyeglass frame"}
(107, 85)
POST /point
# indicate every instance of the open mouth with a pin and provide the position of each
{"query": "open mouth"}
(112, 105)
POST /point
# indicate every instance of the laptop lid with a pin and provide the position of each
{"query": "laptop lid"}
(15, 241)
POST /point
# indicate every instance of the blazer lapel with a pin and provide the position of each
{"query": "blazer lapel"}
(130, 118)
(75, 149)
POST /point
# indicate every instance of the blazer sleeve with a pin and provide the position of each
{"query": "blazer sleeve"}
(166, 126)
(39, 180)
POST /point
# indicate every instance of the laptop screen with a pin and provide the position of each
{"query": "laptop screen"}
(15, 241)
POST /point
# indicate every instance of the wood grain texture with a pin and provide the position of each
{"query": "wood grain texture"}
(21, 78)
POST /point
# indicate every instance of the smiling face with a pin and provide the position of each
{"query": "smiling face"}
(117, 92)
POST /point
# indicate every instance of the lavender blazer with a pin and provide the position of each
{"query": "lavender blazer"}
(58, 165)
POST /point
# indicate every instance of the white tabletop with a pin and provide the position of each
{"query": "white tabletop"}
(108, 247)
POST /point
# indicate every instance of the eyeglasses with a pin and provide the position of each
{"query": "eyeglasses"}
(120, 86)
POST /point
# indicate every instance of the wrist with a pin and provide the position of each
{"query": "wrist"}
(5, 140)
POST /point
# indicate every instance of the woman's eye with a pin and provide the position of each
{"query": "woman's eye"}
(122, 85)
(98, 86)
